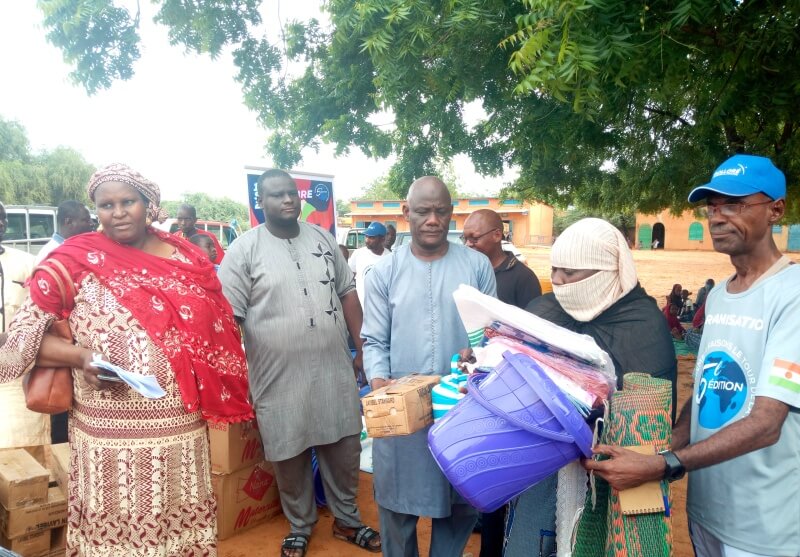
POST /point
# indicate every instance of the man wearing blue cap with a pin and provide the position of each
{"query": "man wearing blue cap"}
(739, 435)
(362, 260)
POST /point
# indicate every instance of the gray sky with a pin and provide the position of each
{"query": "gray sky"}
(180, 120)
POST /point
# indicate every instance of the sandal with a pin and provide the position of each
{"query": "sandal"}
(294, 545)
(363, 536)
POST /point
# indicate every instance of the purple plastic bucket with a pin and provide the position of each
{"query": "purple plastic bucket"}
(513, 430)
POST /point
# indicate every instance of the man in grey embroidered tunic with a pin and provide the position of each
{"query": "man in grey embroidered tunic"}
(411, 325)
(292, 291)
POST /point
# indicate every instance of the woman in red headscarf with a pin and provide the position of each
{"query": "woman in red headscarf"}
(150, 303)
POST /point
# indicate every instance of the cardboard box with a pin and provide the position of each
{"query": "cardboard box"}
(32, 545)
(58, 539)
(234, 446)
(33, 518)
(38, 452)
(23, 481)
(400, 408)
(245, 498)
(60, 465)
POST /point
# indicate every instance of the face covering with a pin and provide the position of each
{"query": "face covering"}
(586, 299)
(593, 244)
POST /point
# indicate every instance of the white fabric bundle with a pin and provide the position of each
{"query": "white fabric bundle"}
(477, 311)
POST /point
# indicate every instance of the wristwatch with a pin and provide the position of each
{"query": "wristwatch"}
(674, 469)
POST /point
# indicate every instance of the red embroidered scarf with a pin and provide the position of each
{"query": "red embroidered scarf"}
(180, 305)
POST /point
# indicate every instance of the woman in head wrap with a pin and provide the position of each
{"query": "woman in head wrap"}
(150, 303)
(595, 292)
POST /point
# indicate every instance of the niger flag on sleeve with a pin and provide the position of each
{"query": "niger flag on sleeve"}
(785, 374)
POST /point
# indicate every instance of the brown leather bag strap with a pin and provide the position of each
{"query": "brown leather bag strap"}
(65, 276)
(58, 274)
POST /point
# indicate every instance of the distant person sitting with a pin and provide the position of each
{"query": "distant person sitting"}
(687, 309)
(693, 335)
(207, 245)
(187, 219)
(703, 292)
(675, 297)
(674, 324)
(73, 218)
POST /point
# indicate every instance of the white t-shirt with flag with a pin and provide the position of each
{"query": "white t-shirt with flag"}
(361, 262)
(750, 348)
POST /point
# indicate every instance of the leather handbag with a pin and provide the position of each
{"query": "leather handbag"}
(48, 390)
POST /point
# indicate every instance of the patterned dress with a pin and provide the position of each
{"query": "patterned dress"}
(140, 482)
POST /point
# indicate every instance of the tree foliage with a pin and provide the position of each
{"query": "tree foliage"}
(45, 178)
(221, 209)
(385, 187)
(625, 222)
(608, 104)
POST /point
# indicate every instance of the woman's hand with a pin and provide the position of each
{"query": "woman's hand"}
(90, 372)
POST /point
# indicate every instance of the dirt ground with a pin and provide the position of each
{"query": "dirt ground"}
(658, 271)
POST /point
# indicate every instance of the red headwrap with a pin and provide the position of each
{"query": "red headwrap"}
(180, 305)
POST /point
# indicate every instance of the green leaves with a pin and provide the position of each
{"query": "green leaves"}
(205, 26)
(608, 104)
(221, 209)
(46, 178)
(99, 39)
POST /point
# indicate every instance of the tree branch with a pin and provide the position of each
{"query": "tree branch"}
(788, 128)
(668, 114)
(733, 138)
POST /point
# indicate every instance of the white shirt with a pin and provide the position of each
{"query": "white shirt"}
(361, 262)
(54, 242)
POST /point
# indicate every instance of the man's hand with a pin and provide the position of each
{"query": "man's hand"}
(358, 364)
(377, 383)
(465, 356)
(626, 468)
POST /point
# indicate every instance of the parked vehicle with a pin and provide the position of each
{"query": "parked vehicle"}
(29, 226)
(354, 238)
(224, 232)
(454, 236)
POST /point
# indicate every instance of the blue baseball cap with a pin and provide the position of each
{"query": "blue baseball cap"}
(375, 229)
(743, 175)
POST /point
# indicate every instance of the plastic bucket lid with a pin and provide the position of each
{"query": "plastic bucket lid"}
(556, 401)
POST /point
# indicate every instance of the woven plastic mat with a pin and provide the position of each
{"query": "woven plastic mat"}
(640, 414)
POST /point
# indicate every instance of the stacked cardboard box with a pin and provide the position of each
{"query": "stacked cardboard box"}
(59, 465)
(400, 408)
(244, 484)
(32, 514)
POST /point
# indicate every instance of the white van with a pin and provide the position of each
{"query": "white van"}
(29, 226)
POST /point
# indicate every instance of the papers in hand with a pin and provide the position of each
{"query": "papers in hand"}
(145, 385)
